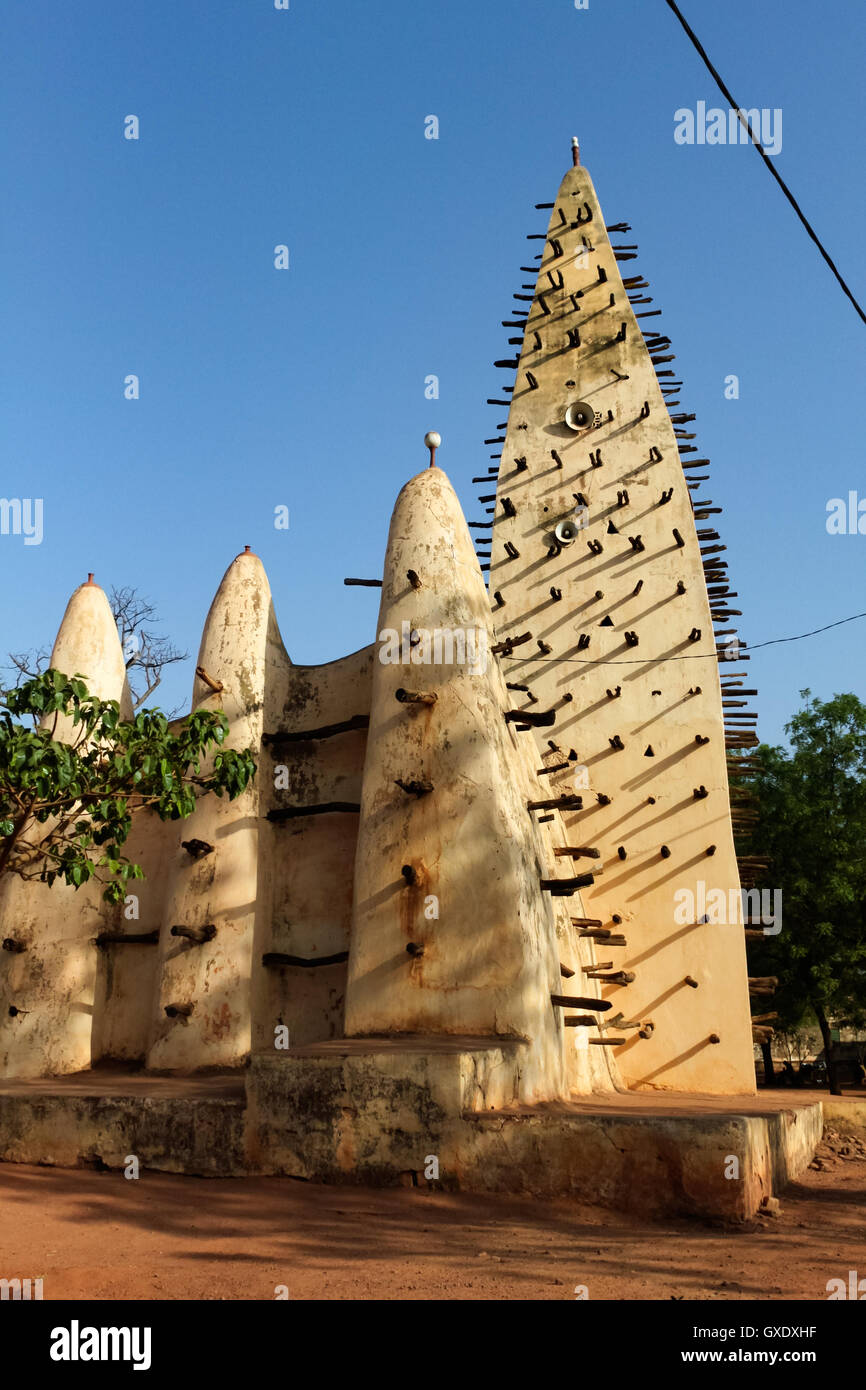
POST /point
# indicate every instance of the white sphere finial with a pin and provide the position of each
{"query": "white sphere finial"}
(432, 440)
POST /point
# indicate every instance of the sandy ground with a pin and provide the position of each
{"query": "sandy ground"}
(97, 1235)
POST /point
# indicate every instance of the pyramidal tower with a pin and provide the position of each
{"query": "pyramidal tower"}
(606, 588)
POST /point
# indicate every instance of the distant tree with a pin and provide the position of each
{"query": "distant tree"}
(68, 794)
(145, 652)
(811, 824)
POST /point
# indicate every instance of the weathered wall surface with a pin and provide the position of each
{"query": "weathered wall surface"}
(127, 974)
(307, 861)
(631, 639)
(376, 1110)
(267, 886)
(240, 645)
(171, 1124)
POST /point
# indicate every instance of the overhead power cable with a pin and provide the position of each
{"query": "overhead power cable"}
(745, 647)
(744, 120)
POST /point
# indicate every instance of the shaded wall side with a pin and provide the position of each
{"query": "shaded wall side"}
(306, 863)
(469, 944)
(127, 974)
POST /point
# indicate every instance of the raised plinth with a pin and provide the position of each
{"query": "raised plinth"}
(377, 1110)
(177, 1124)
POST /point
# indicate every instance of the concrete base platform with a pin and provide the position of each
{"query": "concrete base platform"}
(379, 1111)
(192, 1124)
(376, 1111)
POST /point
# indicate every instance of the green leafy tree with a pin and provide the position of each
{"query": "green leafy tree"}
(811, 823)
(73, 775)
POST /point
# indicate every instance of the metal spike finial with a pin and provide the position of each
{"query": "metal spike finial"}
(575, 150)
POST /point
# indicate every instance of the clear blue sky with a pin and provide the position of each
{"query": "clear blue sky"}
(306, 387)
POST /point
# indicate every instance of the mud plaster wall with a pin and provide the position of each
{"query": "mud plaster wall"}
(306, 866)
(483, 951)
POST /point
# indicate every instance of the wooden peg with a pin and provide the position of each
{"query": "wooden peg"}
(215, 686)
(566, 1001)
(567, 887)
(417, 788)
(198, 935)
(196, 849)
(415, 697)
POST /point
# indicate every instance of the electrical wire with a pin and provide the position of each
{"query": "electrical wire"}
(746, 647)
(744, 120)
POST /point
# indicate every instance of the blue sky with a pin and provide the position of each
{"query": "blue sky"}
(305, 387)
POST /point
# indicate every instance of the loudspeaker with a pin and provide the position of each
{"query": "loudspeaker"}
(580, 417)
(566, 531)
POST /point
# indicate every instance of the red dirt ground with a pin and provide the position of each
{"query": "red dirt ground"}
(93, 1235)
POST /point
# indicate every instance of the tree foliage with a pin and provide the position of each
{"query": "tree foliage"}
(811, 823)
(73, 775)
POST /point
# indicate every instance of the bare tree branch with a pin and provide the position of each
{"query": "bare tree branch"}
(28, 664)
(145, 652)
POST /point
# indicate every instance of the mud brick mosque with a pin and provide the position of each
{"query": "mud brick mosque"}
(440, 922)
